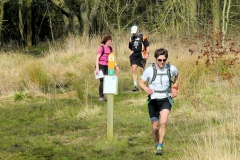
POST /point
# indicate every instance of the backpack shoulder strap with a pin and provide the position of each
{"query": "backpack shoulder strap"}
(131, 39)
(140, 35)
(143, 37)
(154, 72)
(169, 74)
(102, 51)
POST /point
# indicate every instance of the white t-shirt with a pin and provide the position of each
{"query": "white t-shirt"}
(161, 83)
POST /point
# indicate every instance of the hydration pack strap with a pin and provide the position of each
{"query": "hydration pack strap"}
(154, 72)
(103, 51)
(164, 91)
(170, 99)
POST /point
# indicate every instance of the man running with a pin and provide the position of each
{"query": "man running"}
(139, 52)
(160, 94)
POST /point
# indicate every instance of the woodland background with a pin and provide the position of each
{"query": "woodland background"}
(29, 22)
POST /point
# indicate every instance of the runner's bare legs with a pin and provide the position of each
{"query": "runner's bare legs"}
(134, 73)
(163, 124)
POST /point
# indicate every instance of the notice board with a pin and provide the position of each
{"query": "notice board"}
(110, 85)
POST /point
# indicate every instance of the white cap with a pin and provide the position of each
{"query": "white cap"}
(134, 29)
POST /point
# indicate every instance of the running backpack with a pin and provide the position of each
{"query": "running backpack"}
(137, 43)
(168, 73)
(170, 82)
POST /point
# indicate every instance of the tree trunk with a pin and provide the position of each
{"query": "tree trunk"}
(71, 21)
(67, 27)
(29, 23)
(76, 25)
(216, 16)
(21, 24)
(67, 18)
(50, 20)
(1, 21)
(85, 20)
(193, 13)
(226, 10)
(93, 16)
(150, 12)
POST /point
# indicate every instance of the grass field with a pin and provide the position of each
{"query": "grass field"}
(49, 106)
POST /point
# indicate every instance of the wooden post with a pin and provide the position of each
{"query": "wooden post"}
(110, 99)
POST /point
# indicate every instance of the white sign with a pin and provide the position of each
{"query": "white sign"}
(110, 85)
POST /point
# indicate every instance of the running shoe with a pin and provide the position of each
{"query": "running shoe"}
(135, 89)
(102, 99)
(159, 150)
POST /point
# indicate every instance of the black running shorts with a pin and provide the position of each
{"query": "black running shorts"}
(155, 106)
(136, 58)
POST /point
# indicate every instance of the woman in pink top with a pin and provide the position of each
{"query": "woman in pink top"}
(102, 61)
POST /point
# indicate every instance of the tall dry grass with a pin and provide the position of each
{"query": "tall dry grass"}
(68, 62)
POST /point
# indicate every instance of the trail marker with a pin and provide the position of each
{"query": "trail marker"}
(110, 88)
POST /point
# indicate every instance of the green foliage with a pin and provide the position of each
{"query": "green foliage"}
(39, 76)
(37, 51)
(22, 95)
(81, 87)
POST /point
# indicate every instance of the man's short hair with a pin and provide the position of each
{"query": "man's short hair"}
(161, 51)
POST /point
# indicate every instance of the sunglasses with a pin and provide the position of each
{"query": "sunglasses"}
(161, 60)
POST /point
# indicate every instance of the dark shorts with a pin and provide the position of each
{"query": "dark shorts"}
(155, 106)
(136, 58)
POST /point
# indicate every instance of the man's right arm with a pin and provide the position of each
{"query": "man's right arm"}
(143, 85)
(142, 82)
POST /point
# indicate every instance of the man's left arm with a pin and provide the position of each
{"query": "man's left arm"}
(146, 45)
